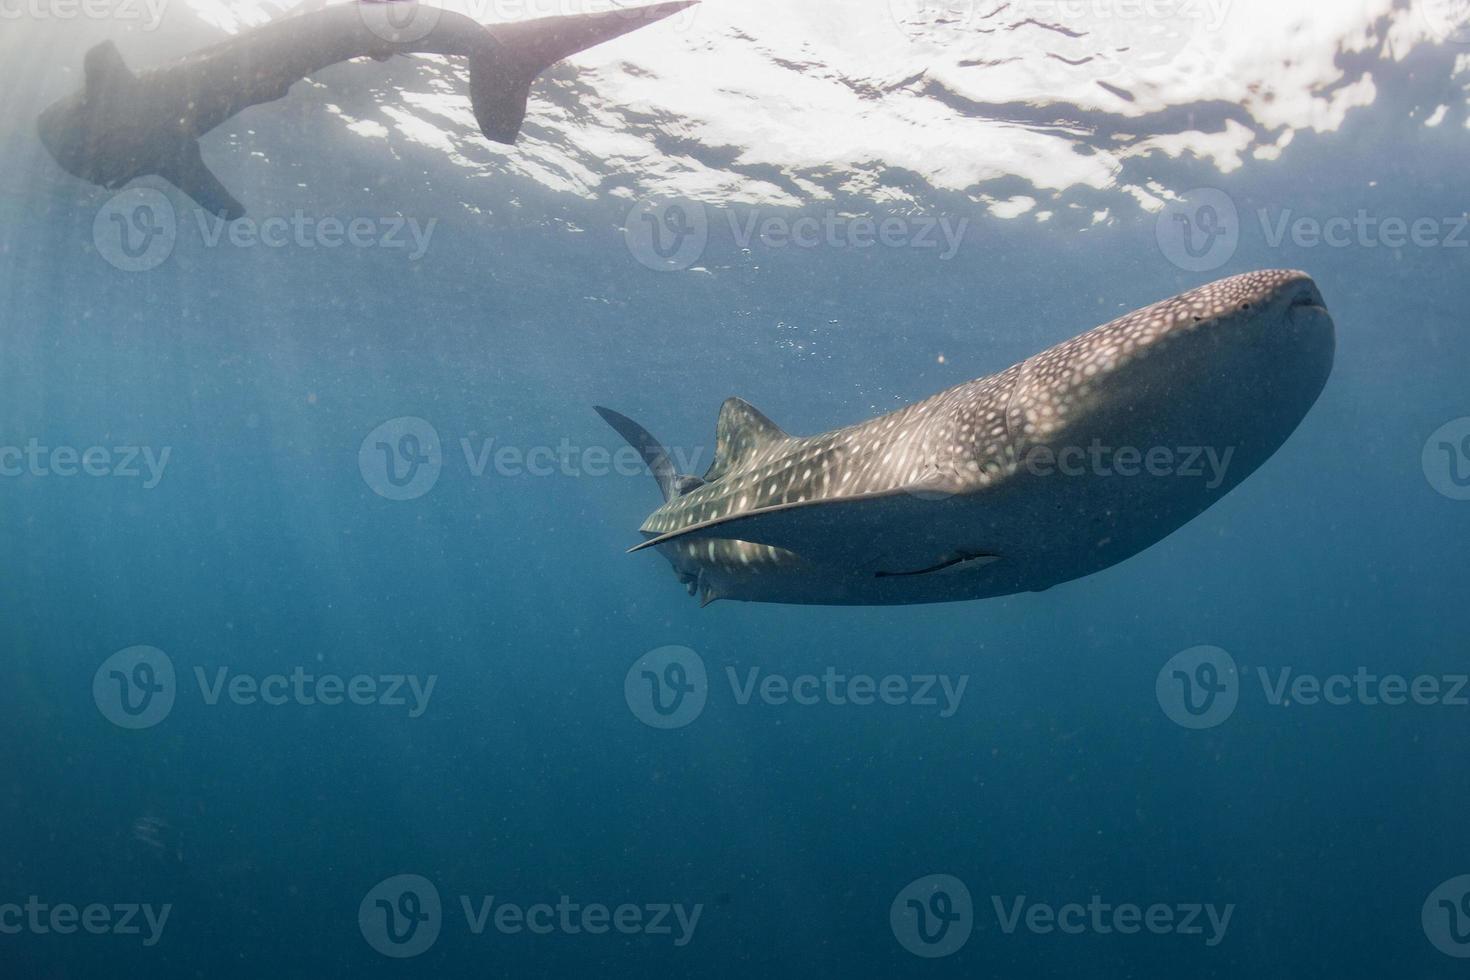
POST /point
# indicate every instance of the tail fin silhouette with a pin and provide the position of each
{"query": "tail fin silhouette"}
(500, 79)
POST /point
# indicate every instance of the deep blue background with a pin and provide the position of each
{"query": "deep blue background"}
(1059, 778)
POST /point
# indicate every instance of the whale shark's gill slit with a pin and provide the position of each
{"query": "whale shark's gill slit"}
(963, 562)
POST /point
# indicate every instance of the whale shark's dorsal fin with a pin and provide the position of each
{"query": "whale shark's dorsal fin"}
(189, 173)
(740, 433)
(104, 69)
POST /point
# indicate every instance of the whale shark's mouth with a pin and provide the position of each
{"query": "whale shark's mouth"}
(1308, 300)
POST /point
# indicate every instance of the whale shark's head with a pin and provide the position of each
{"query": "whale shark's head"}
(1225, 372)
(1221, 362)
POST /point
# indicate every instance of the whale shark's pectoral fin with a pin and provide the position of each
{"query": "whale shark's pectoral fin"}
(189, 173)
(890, 531)
(104, 69)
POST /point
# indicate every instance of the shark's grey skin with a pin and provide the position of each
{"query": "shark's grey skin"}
(121, 125)
(989, 488)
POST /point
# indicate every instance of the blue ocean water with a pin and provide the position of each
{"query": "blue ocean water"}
(262, 542)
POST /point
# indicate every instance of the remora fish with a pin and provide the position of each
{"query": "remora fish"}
(994, 487)
(121, 125)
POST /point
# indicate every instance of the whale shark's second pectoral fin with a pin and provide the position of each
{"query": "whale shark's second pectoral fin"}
(189, 173)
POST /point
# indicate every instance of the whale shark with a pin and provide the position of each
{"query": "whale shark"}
(1058, 467)
(121, 126)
